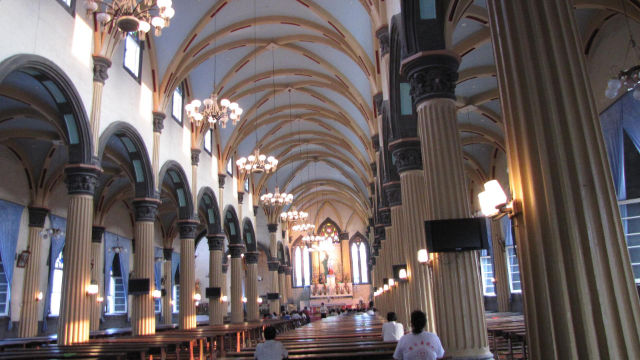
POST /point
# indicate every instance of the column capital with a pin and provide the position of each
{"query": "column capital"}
(216, 242)
(375, 141)
(221, 179)
(81, 178)
(287, 270)
(372, 261)
(383, 38)
(343, 236)
(407, 153)
(273, 264)
(432, 74)
(145, 209)
(100, 67)
(187, 229)
(255, 210)
(374, 168)
(167, 253)
(377, 104)
(195, 157)
(251, 257)
(225, 268)
(158, 121)
(37, 216)
(96, 234)
(393, 193)
(236, 250)
(240, 197)
(272, 227)
(281, 269)
(384, 217)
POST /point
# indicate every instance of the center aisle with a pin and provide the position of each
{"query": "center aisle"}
(347, 336)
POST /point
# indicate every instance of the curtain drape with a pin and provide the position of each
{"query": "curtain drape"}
(157, 267)
(175, 262)
(10, 214)
(57, 244)
(112, 241)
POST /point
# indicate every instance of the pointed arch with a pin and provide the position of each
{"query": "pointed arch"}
(208, 210)
(232, 225)
(249, 235)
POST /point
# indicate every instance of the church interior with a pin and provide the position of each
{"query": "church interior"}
(181, 174)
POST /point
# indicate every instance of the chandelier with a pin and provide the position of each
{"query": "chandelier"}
(629, 79)
(213, 112)
(303, 227)
(257, 163)
(276, 199)
(293, 215)
(133, 15)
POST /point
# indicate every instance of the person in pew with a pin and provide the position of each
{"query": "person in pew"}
(285, 316)
(296, 316)
(271, 349)
(274, 316)
(392, 330)
(323, 311)
(419, 344)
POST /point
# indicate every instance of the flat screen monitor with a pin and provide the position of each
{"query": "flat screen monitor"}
(138, 286)
(213, 293)
(273, 296)
(456, 234)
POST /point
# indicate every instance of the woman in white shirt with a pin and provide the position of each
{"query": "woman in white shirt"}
(391, 330)
(419, 344)
(270, 349)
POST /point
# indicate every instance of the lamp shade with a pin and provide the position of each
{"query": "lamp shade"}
(423, 256)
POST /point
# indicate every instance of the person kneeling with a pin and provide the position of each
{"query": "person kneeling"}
(270, 349)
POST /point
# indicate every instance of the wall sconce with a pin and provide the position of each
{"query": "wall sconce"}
(224, 298)
(92, 289)
(400, 273)
(385, 287)
(494, 202)
(99, 299)
(39, 296)
(423, 256)
(259, 300)
(244, 299)
(197, 297)
(157, 294)
(392, 282)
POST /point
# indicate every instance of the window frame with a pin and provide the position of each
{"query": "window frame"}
(306, 282)
(363, 266)
(5, 312)
(112, 300)
(55, 286)
(510, 266)
(204, 141)
(71, 8)
(486, 260)
(180, 89)
(245, 184)
(137, 78)
(175, 296)
(230, 166)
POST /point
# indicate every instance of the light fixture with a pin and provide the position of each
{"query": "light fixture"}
(629, 79)
(303, 227)
(423, 256)
(39, 296)
(494, 202)
(244, 299)
(99, 299)
(402, 274)
(392, 282)
(157, 294)
(45, 234)
(385, 287)
(214, 113)
(259, 300)
(276, 198)
(224, 298)
(257, 163)
(293, 215)
(92, 289)
(197, 297)
(132, 15)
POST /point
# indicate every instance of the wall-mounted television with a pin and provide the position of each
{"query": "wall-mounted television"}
(139, 286)
(213, 293)
(456, 234)
(273, 296)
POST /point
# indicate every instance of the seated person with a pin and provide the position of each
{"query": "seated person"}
(270, 349)
(285, 316)
(392, 330)
(419, 344)
(295, 316)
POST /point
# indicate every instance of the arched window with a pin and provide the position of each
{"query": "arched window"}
(359, 259)
(56, 287)
(176, 290)
(4, 291)
(301, 265)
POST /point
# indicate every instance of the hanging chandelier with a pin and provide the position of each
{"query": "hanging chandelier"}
(212, 112)
(132, 15)
(629, 79)
(303, 227)
(257, 163)
(294, 215)
(276, 199)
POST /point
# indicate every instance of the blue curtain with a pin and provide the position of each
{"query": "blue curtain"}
(631, 118)
(57, 244)
(10, 214)
(157, 267)
(175, 262)
(110, 241)
(505, 223)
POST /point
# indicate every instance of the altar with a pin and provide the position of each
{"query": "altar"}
(332, 289)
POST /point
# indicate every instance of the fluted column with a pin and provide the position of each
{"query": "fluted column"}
(579, 294)
(237, 314)
(167, 308)
(459, 306)
(29, 311)
(251, 285)
(216, 244)
(158, 125)
(281, 285)
(500, 273)
(101, 66)
(187, 274)
(97, 276)
(274, 264)
(73, 322)
(406, 151)
(143, 318)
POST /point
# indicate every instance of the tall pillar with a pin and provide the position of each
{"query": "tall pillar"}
(216, 244)
(273, 264)
(578, 289)
(225, 305)
(187, 274)
(73, 322)
(237, 314)
(143, 318)
(459, 305)
(251, 285)
(29, 310)
(406, 152)
(500, 273)
(281, 285)
(167, 308)
(101, 66)
(97, 275)
(158, 125)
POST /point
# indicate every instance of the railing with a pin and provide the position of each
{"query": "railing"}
(630, 214)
